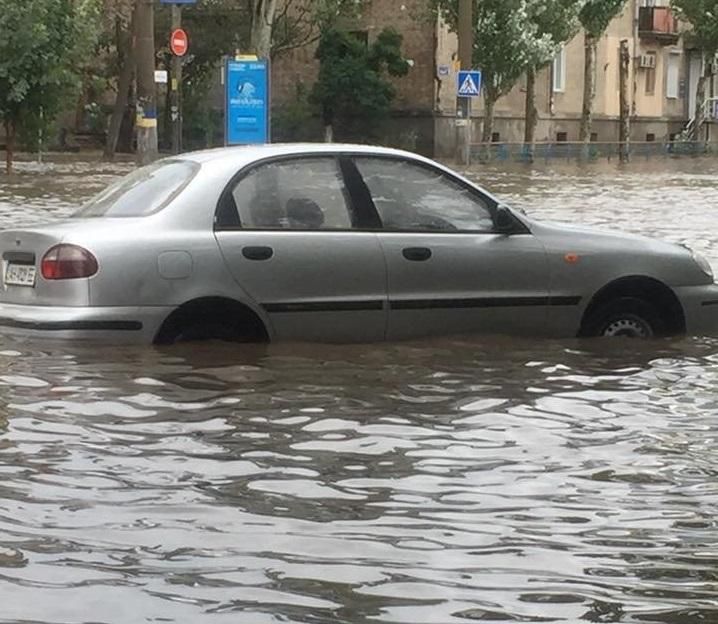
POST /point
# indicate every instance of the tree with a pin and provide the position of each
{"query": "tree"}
(506, 42)
(702, 15)
(352, 79)
(262, 20)
(595, 17)
(557, 19)
(300, 22)
(216, 28)
(124, 25)
(279, 25)
(43, 47)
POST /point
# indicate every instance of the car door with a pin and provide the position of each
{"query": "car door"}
(290, 235)
(449, 270)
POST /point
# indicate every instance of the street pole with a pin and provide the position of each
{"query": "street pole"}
(176, 87)
(146, 121)
(463, 104)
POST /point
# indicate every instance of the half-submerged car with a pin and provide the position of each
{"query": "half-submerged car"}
(334, 243)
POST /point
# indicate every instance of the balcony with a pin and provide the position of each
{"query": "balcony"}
(658, 24)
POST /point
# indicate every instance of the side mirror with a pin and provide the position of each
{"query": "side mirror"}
(504, 221)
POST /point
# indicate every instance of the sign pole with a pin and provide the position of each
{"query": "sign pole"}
(176, 86)
(463, 104)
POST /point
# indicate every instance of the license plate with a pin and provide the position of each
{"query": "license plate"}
(20, 275)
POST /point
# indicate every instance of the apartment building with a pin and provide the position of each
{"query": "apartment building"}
(663, 77)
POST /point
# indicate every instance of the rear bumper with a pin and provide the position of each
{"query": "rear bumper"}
(700, 305)
(116, 324)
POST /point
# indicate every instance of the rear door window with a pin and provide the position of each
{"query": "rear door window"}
(296, 194)
(142, 192)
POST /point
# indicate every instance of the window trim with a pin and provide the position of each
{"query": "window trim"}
(491, 204)
(558, 78)
(368, 217)
(227, 195)
(673, 89)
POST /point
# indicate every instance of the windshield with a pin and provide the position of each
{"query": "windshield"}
(143, 192)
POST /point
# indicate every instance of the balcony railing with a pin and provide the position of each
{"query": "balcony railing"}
(658, 24)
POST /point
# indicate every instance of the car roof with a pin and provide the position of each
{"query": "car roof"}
(251, 153)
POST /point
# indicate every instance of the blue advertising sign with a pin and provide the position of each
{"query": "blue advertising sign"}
(469, 83)
(247, 102)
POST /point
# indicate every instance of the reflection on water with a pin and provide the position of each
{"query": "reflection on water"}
(443, 481)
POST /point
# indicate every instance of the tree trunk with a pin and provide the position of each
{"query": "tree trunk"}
(531, 114)
(489, 106)
(625, 126)
(589, 87)
(9, 146)
(329, 133)
(127, 72)
(700, 116)
(146, 95)
(262, 22)
(81, 103)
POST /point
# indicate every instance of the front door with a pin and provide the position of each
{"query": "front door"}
(289, 234)
(449, 270)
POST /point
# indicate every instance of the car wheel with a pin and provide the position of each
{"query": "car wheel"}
(200, 331)
(626, 317)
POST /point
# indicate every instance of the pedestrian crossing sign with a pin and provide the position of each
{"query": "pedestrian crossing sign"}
(469, 83)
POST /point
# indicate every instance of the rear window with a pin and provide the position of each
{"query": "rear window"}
(143, 192)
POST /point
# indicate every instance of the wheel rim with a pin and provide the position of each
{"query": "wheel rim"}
(629, 328)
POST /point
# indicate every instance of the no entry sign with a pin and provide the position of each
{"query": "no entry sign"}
(179, 42)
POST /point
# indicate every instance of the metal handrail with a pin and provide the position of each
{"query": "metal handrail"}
(690, 127)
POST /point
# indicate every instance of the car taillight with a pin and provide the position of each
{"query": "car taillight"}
(67, 262)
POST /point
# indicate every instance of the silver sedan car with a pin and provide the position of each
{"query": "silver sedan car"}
(334, 243)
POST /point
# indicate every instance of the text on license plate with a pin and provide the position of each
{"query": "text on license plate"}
(20, 274)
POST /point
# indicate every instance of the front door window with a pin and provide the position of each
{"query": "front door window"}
(411, 197)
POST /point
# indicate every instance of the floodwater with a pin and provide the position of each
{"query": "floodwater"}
(447, 481)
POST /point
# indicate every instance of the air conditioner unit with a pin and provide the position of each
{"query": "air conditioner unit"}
(647, 61)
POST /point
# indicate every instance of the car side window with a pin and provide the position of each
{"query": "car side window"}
(416, 198)
(297, 194)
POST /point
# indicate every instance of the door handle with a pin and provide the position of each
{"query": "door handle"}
(417, 254)
(257, 253)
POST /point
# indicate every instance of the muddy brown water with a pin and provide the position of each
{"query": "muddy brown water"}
(443, 481)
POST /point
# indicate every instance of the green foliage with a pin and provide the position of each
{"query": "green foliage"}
(702, 15)
(352, 75)
(299, 22)
(215, 27)
(295, 120)
(44, 45)
(596, 15)
(507, 39)
(559, 19)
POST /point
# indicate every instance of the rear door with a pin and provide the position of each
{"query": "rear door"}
(290, 235)
(449, 271)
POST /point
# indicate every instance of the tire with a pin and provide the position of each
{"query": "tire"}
(626, 317)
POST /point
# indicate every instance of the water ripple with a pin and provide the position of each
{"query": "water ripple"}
(448, 481)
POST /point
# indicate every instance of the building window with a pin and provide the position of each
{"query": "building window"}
(495, 137)
(651, 75)
(673, 75)
(559, 71)
(594, 137)
(650, 137)
(561, 137)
